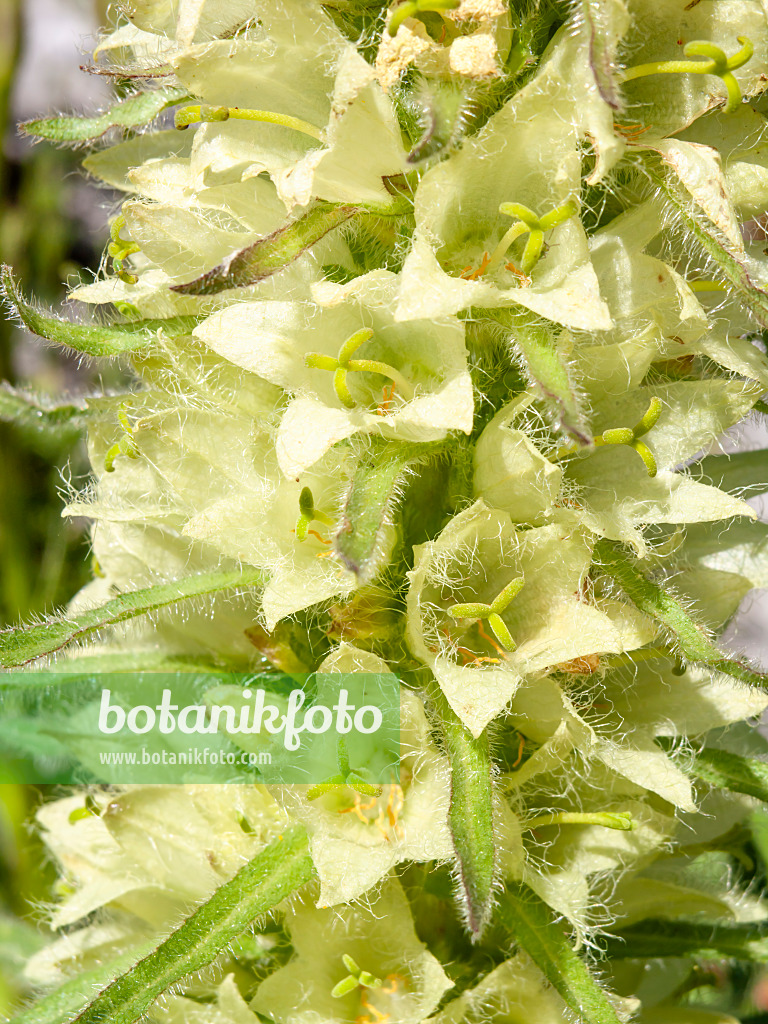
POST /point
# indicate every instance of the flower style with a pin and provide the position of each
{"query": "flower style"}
(667, 103)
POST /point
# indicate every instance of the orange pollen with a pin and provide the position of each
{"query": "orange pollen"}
(520, 749)
(523, 278)
(631, 132)
(474, 274)
(317, 535)
(387, 394)
(358, 808)
(376, 1015)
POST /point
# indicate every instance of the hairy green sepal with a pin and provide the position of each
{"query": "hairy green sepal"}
(688, 637)
(89, 339)
(271, 254)
(724, 770)
(26, 410)
(535, 343)
(133, 112)
(728, 265)
(707, 940)
(371, 497)
(61, 1004)
(471, 811)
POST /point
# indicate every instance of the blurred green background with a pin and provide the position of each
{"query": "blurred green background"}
(51, 225)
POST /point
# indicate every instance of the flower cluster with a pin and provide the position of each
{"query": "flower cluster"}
(435, 314)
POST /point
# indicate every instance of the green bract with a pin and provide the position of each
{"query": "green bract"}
(433, 314)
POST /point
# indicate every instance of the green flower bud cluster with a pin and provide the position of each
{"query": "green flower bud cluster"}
(374, 427)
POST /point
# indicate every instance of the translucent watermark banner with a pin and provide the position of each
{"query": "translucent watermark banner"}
(159, 727)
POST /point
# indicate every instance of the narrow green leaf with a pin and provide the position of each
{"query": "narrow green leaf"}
(373, 492)
(92, 340)
(546, 367)
(471, 812)
(23, 644)
(729, 265)
(273, 874)
(27, 410)
(725, 770)
(707, 940)
(690, 637)
(270, 254)
(536, 930)
(283, 247)
(73, 995)
(133, 112)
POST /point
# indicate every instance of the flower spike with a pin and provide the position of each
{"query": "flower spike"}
(202, 114)
(412, 8)
(528, 222)
(715, 63)
(492, 612)
(343, 363)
